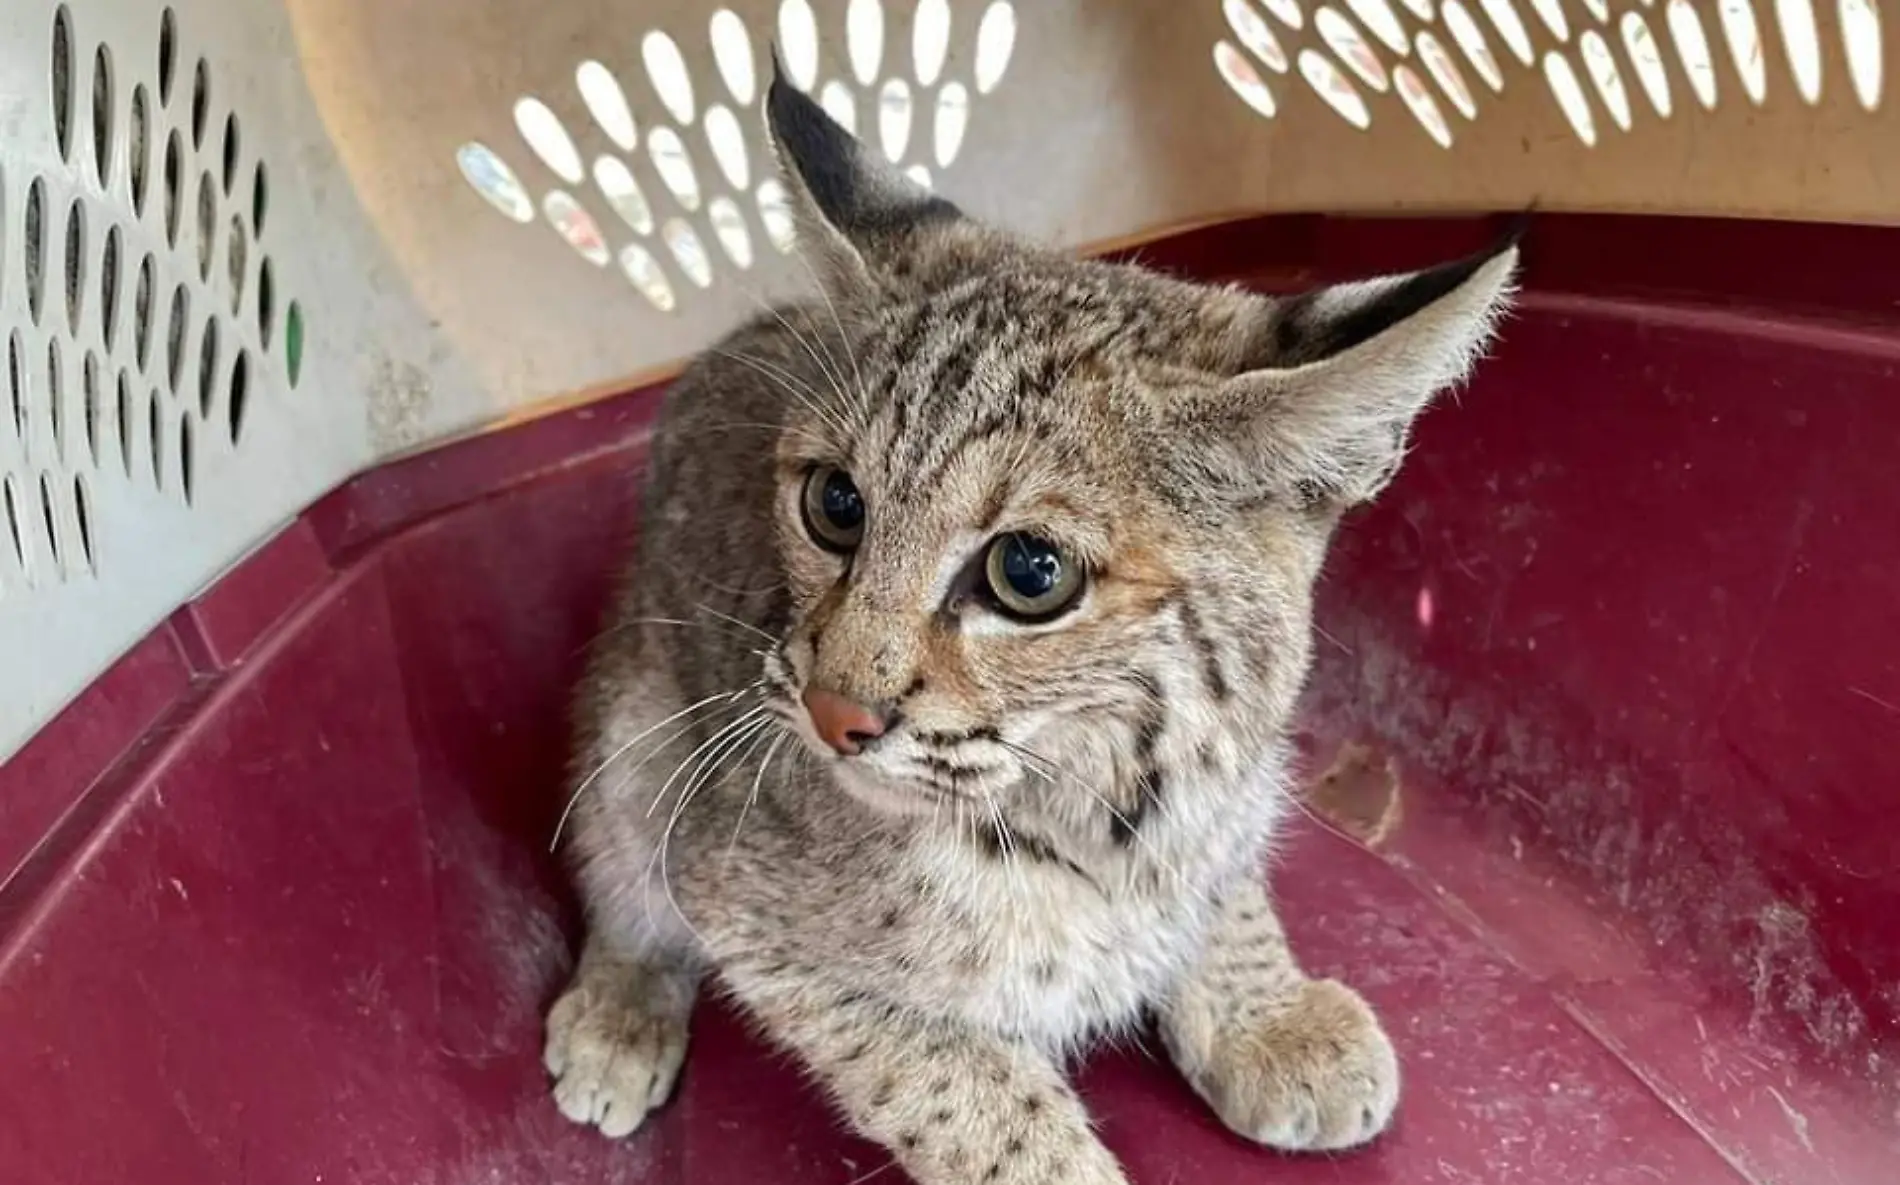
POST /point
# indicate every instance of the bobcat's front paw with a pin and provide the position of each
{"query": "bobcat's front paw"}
(1314, 1073)
(615, 1042)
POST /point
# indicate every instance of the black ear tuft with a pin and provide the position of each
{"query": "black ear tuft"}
(1318, 325)
(856, 195)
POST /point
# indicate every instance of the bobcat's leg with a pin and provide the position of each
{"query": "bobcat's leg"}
(1291, 1062)
(953, 1106)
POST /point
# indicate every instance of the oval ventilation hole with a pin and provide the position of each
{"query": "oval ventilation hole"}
(1288, 12)
(798, 43)
(33, 250)
(1330, 83)
(175, 339)
(1860, 37)
(1569, 93)
(1253, 32)
(16, 384)
(62, 81)
(1551, 12)
(623, 194)
(675, 166)
(1600, 9)
(995, 40)
(607, 103)
(200, 103)
(49, 520)
(952, 120)
(1646, 57)
(167, 54)
(775, 214)
(109, 262)
(138, 149)
(688, 251)
(293, 343)
(22, 556)
(1378, 16)
(919, 176)
(929, 39)
(1237, 71)
(75, 265)
(173, 182)
(666, 70)
(1600, 64)
(575, 225)
(1505, 20)
(207, 224)
(864, 39)
(1803, 42)
(727, 141)
(490, 176)
(155, 440)
(237, 260)
(237, 400)
(208, 367)
(732, 53)
(187, 458)
(1464, 30)
(1418, 99)
(729, 228)
(894, 119)
(1345, 41)
(1445, 72)
(840, 104)
(1692, 46)
(56, 526)
(546, 135)
(266, 301)
(56, 399)
(647, 277)
(229, 154)
(82, 516)
(142, 297)
(125, 421)
(102, 115)
(260, 199)
(1744, 47)
(89, 403)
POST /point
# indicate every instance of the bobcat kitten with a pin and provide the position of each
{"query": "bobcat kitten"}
(943, 717)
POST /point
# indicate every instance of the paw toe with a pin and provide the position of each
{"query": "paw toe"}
(611, 1063)
(1319, 1075)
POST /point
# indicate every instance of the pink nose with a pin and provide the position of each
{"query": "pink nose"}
(840, 723)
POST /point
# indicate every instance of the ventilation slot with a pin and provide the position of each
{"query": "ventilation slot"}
(656, 210)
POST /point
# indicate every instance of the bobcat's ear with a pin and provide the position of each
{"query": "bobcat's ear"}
(1324, 387)
(860, 220)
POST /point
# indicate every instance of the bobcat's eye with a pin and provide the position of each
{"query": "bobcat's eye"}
(834, 510)
(1029, 578)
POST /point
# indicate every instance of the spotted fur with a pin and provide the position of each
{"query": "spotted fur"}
(1062, 829)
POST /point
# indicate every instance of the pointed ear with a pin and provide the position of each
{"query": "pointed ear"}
(1324, 386)
(860, 220)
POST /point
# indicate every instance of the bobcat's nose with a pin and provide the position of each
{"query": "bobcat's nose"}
(843, 724)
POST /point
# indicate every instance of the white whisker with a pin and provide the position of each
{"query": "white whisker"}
(617, 754)
(752, 795)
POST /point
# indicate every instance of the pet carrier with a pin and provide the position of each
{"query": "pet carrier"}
(333, 330)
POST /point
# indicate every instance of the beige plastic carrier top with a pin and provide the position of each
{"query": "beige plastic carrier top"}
(250, 248)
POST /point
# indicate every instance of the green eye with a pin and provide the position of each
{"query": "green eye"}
(834, 510)
(1031, 579)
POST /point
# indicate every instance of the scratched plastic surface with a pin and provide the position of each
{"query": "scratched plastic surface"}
(1607, 695)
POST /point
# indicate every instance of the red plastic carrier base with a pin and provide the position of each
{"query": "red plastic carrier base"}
(1608, 713)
